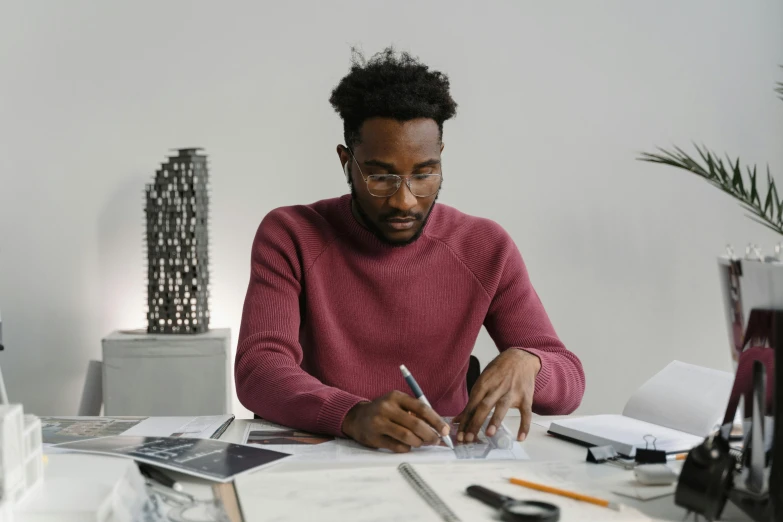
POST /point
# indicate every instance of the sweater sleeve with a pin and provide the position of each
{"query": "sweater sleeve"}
(516, 319)
(269, 379)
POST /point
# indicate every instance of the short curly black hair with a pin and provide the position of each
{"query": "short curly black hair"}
(389, 85)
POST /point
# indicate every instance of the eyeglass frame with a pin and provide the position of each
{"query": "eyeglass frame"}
(400, 180)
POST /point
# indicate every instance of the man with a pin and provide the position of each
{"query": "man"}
(344, 291)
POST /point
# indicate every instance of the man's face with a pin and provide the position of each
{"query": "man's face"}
(388, 146)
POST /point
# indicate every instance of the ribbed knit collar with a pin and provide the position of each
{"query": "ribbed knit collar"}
(366, 238)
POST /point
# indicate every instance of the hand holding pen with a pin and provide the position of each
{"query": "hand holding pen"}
(387, 423)
(420, 395)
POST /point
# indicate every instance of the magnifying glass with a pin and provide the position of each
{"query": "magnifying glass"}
(512, 510)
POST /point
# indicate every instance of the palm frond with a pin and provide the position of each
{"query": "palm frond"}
(765, 206)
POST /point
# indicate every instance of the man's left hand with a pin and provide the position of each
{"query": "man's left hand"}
(507, 382)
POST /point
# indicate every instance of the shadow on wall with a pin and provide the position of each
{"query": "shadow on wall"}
(122, 259)
(46, 385)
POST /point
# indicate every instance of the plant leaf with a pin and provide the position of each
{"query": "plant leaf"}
(768, 204)
(754, 194)
(736, 179)
(728, 177)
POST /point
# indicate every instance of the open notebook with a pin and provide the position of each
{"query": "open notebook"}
(674, 410)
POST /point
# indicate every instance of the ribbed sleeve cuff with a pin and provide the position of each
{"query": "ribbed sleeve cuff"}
(545, 374)
(333, 411)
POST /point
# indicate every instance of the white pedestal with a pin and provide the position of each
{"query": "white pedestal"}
(167, 375)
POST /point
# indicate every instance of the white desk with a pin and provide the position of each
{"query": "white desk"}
(540, 447)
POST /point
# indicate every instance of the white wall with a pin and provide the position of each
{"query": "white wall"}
(556, 99)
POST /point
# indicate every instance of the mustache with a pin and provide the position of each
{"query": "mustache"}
(398, 215)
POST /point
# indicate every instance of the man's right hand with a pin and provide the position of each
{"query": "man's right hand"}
(396, 421)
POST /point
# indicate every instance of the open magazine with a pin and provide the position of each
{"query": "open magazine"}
(58, 430)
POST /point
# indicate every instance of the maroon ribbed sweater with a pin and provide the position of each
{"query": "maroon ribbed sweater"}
(331, 312)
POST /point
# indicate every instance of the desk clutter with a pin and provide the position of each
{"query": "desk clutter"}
(158, 469)
(111, 469)
(88, 487)
(420, 492)
(182, 444)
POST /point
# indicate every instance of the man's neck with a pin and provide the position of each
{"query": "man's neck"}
(357, 215)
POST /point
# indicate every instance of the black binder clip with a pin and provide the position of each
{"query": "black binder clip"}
(608, 455)
(600, 454)
(650, 456)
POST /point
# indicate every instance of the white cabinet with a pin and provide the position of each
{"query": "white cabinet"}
(167, 375)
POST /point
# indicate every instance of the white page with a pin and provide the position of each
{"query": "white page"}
(348, 450)
(642, 492)
(188, 427)
(624, 433)
(370, 494)
(380, 494)
(683, 397)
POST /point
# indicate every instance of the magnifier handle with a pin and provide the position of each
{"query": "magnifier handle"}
(488, 496)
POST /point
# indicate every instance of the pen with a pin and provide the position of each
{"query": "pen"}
(414, 386)
(158, 476)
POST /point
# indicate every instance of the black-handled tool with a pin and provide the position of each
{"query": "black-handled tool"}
(512, 510)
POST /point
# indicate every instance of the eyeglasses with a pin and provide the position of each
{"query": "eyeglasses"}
(386, 185)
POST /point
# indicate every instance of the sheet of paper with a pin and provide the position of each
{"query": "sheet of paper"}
(683, 397)
(306, 446)
(370, 494)
(301, 444)
(641, 492)
(190, 427)
(625, 434)
(380, 494)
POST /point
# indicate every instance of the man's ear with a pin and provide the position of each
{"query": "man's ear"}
(345, 159)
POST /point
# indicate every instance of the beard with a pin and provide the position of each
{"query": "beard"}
(376, 231)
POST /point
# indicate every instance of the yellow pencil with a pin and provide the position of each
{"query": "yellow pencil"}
(564, 493)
